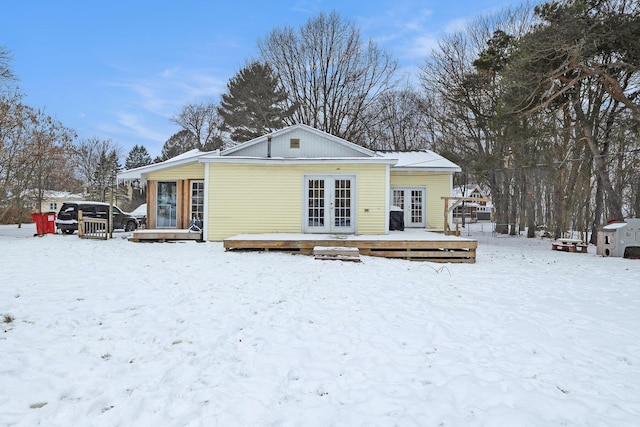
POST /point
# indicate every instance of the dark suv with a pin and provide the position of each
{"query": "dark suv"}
(67, 220)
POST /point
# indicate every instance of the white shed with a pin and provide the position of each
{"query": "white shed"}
(621, 239)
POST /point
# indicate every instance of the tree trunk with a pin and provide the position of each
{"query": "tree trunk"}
(513, 222)
(597, 213)
(559, 224)
(501, 203)
(529, 206)
(613, 200)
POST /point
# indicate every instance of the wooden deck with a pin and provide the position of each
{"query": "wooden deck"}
(164, 235)
(422, 245)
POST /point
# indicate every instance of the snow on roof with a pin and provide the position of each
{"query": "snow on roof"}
(53, 194)
(420, 160)
(467, 191)
(615, 225)
(183, 158)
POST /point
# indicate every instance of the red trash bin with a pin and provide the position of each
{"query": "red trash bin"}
(45, 222)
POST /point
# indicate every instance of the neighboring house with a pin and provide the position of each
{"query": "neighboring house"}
(53, 200)
(475, 211)
(296, 180)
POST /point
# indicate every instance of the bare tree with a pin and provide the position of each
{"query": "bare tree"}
(329, 72)
(398, 121)
(204, 122)
(96, 160)
(33, 155)
(6, 73)
(463, 78)
(49, 156)
(583, 60)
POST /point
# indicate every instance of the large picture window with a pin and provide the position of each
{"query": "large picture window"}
(166, 215)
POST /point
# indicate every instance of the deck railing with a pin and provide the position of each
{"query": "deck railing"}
(93, 228)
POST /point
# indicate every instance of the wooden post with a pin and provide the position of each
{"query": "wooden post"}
(110, 219)
(80, 224)
(446, 216)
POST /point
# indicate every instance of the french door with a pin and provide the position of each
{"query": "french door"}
(329, 204)
(197, 200)
(412, 200)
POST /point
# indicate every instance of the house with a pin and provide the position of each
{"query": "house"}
(295, 180)
(480, 210)
(53, 200)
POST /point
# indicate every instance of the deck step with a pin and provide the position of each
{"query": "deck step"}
(339, 253)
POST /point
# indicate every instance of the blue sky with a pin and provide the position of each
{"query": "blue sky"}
(120, 69)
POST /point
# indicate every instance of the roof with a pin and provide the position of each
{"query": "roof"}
(420, 160)
(466, 192)
(615, 225)
(181, 159)
(54, 194)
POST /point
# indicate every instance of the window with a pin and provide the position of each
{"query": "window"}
(294, 143)
(53, 206)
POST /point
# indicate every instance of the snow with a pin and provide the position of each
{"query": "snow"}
(420, 159)
(140, 211)
(106, 333)
(615, 225)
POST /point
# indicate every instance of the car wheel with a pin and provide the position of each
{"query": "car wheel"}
(131, 226)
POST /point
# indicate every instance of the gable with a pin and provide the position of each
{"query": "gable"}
(299, 141)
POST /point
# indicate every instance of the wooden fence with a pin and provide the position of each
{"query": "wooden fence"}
(92, 228)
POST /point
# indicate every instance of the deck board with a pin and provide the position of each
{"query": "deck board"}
(161, 235)
(425, 246)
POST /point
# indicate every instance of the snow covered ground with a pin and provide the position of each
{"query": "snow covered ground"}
(114, 333)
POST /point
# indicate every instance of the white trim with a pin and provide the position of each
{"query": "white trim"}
(205, 220)
(191, 183)
(387, 186)
(299, 160)
(180, 160)
(427, 169)
(449, 218)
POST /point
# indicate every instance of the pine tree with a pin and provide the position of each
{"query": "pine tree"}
(138, 156)
(255, 103)
(178, 143)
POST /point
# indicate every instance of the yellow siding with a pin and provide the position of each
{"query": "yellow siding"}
(437, 184)
(260, 198)
(191, 171)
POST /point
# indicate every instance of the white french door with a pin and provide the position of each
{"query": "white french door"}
(197, 200)
(329, 204)
(412, 200)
